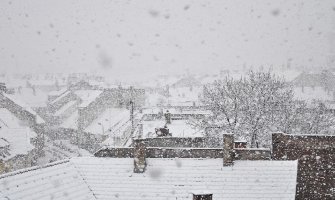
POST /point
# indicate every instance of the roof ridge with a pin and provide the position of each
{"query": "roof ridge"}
(81, 175)
(3, 196)
(24, 170)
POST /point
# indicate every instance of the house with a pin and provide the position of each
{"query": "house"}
(17, 142)
(139, 177)
(314, 86)
(88, 116)
(22, 131)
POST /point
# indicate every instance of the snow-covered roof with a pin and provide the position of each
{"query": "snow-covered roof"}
(3, 142)
(65, 107)
(38, 98)
(109, 121)
(17, 101)
(19, 141)
(184, 94)
(57, 92)
(61, 96)
(2, 197)
(45, 82)
(8, 119)
(312, 93)
(330, 106)
(71, 121)
(178, 128)
(24, 106)
(164, 178)
(58, 180)
(14, 133)
(177, 111)
(87, 96)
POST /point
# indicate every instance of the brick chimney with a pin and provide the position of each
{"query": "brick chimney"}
(139, 156)
(228, 149)
(202, 196)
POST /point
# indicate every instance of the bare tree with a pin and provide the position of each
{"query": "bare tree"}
(258, 104)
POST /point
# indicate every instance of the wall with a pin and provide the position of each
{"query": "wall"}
(191, 142)
(316, 162)
(167, 152)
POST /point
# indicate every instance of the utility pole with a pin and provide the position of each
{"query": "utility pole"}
(132, 116)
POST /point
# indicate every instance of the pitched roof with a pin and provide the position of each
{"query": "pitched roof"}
(113, 178)
(312, 93)
(2, 197)
(112, 119)
(33, 99)
(87, 96)
(24, 106)
(323, 79)
(15, 134)
(18, 141)
(58, 180)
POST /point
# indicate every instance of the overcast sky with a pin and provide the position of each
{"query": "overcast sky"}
(162, 36)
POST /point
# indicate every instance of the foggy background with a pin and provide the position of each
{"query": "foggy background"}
(121, 39)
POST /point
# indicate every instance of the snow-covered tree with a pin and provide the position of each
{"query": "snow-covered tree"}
(258, 104)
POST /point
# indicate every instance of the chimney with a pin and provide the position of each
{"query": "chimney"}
(139, 156)
(202, 196)
(228, 149)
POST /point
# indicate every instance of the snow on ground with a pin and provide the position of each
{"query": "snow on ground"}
(178, 128)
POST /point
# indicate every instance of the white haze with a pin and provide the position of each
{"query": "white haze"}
(138, 38)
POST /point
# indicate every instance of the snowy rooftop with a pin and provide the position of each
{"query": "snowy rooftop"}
(308, 94)
(156, 110)
(34, 99)
(113, 178)
(65, 108)
(71, 121)
(178, 128)
(87, 96)
(24, 106)
(57, 92)
(19, 141)
(62, 95)
(109, 121)
(15, 133)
